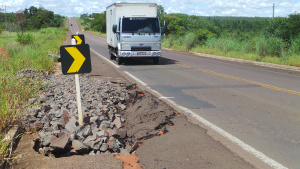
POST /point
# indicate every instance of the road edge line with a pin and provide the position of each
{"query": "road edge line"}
(105, 58)
(135, 78)
(249, 149)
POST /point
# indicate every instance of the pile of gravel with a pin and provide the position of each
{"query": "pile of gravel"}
(56, 119)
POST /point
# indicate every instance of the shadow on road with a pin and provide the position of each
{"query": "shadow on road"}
(146, 62)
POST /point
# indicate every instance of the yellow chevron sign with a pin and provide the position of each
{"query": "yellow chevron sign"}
(79, 39)
(75, 59)
(78, 59)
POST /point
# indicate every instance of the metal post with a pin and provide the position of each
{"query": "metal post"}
(6, 18)
(273, 10)
(80, 114)
(164, 24)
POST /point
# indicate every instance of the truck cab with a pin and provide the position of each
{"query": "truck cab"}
(135, 36)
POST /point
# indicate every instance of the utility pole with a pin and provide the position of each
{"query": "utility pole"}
(273, 10)
(5, 15)
(6, 18)
(164, 24)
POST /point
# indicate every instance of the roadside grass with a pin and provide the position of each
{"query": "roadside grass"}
(15, 91)
(270, 50)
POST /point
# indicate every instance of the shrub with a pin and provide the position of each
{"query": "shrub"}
(1, 28)
(203, 34)
(294, 49)
(272, 46)
(50, 30)
(189, 41)
(227, 44)
(25, 39)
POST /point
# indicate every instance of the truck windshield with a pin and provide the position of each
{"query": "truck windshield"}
(140, 25)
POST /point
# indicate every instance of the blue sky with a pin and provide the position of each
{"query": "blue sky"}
(250, 8)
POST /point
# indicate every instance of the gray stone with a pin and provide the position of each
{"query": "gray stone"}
(92, 153)
(89, 142)
(78, 146)
(45, 140)
(32, 100)
(103, 147)
(61, 142)
(71, 125)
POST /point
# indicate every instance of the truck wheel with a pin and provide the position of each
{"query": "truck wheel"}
(119, 60)
(112, 57)
(156, 60)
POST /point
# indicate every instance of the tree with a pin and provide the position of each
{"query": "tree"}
(293, 24)
(161, 15)
(21, 20)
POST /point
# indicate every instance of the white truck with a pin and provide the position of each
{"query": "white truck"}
(133, 31)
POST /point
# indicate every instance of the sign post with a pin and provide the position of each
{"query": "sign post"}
(78, 94)
(75, 59)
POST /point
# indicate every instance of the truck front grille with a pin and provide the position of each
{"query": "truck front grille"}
(141, 48)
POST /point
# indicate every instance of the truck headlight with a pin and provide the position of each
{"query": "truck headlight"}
(125, 44)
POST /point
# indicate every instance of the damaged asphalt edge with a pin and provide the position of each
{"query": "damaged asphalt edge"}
(245, 151)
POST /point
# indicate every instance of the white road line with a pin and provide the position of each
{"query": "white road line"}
(167, 98)
(135, 78)
(105, 59)
(272, 163)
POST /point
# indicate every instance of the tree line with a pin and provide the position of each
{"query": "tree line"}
(203, 27)
(32, 18)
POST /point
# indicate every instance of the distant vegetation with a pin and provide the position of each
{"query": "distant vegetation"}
(254, 38)
(94, 22)
(30, 19)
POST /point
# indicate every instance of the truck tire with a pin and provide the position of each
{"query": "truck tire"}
(112, 57)
(119, 60)
(156, 60)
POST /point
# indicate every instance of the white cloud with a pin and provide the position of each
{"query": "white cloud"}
(249, 8)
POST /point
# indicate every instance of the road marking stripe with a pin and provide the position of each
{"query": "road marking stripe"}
(105, 58)
(243, 80)
(136, 79)
(233, 139)
(166, 97)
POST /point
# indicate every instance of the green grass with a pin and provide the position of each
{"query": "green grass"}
(270, 50)
(15, 91)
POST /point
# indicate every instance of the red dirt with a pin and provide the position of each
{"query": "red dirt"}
(129, 161)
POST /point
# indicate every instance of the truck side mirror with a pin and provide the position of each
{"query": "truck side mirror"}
(114, 28)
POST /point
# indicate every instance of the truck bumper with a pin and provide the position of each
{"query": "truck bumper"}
(132, 54)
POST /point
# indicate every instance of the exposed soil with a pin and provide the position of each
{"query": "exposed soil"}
(4, 54)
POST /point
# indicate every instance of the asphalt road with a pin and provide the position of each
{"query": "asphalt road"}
(258, 106)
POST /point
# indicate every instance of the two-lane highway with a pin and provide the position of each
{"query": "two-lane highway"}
(258, 107)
